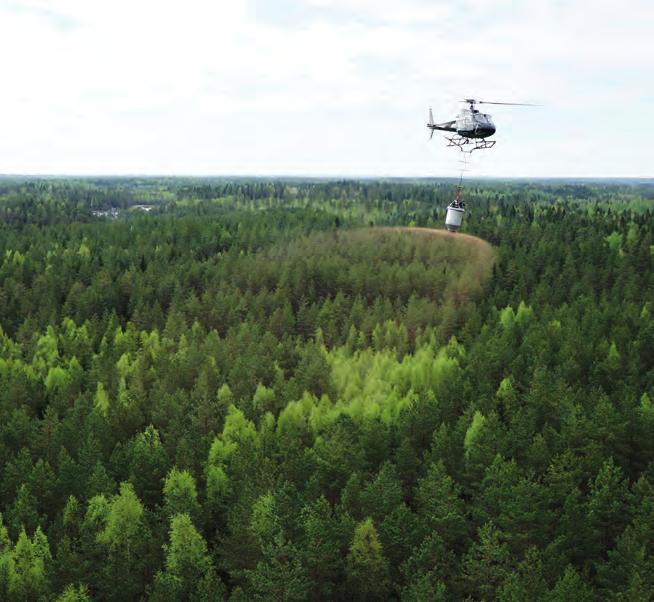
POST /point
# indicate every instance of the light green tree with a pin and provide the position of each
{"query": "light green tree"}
(180, 494)
(189, 574)
(367, 568)
(28, 569)
(75, 594)
(123, 520)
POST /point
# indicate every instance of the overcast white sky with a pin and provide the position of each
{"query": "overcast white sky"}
(322, 87)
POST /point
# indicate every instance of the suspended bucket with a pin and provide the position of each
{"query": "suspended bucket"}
(454, 217)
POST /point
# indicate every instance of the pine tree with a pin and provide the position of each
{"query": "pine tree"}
(326, 539)
(570, 588)
(486, 564)
(440, 508)
(279, 575)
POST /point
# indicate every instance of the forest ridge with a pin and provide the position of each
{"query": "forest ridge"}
(264, 390)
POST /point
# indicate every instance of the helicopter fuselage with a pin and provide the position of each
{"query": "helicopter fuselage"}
(470, 123)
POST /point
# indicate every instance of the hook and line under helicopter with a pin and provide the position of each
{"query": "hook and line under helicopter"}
(469, 131)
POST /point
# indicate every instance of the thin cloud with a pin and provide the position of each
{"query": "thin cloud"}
(316, 87)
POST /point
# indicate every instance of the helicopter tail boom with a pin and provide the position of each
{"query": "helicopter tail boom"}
(447, 126)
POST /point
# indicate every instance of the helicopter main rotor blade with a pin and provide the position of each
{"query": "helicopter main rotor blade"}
(472, 101)
(515, 104)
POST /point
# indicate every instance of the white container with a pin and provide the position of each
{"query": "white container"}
(454, 218)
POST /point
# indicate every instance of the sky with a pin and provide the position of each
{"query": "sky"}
(323, 87)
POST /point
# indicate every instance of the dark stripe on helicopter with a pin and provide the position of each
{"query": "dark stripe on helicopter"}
(476, 133)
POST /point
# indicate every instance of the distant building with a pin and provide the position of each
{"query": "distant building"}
(113, 212)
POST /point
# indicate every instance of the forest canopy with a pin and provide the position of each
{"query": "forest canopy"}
(263, 390)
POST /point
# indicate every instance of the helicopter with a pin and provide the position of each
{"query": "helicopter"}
(471, 130)
(471, 127)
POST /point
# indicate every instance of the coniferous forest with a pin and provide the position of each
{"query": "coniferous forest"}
(267, 390)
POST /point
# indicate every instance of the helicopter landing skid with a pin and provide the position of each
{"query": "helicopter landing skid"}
(467, 145)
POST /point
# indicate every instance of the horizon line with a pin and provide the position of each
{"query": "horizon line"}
(291, 176)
